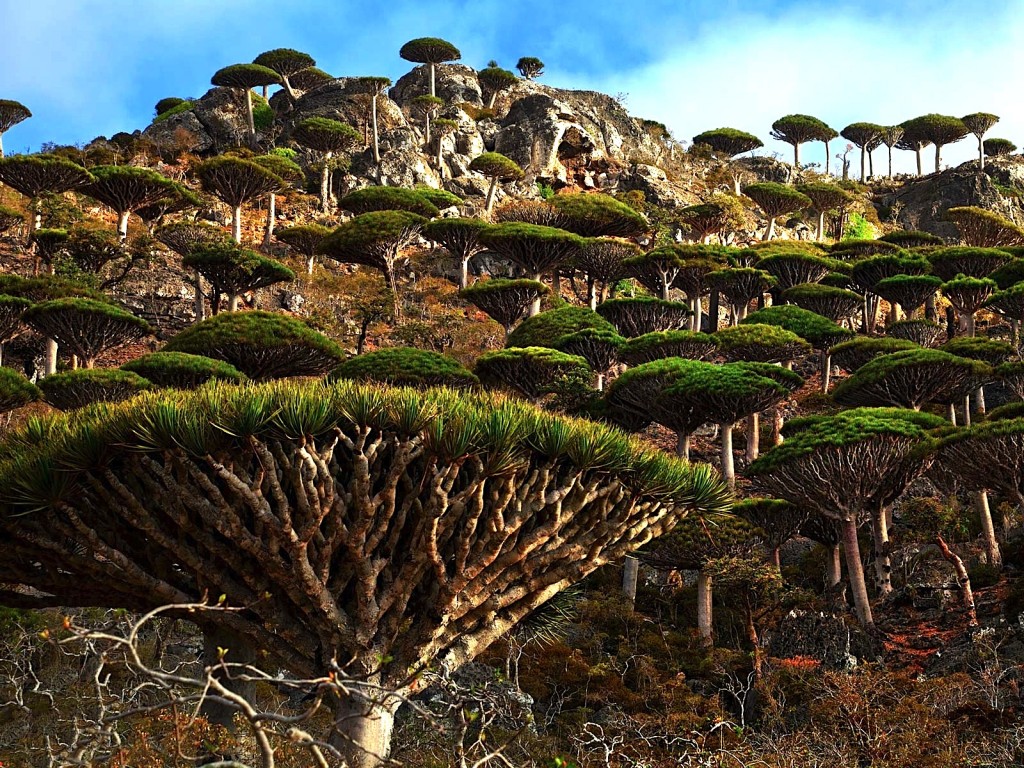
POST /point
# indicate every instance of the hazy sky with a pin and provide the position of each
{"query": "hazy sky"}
(88, 68)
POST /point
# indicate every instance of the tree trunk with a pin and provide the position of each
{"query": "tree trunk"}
(863, 171)
(698, 312)
(236, 224)
(851, 548)
(728, 464)
(920, 167)
(432, 93)
(821, 226)
(713, 311)
(238, 651)
(871, 165)
(890, 161)
(826, 371)
(967, 411)
(535, 305)
(490, 101)
(233, 302)
(769, 233)
(51, 357)
(200, 300)
(753, 436)
(1, 145)
(951, 413)
(373, 119)
(122, 225)
(630, 576)
(988, 529)
(248, 114)
(981, 153)
(827, 158)
(833, 565)
(440, 153)
(930, 312)
(271, 215)
(704, 616)
(325, 183)
(938, 157)
(778, 422)
(796, 156)
(666, 286)
(883, 563)
(962, 579)
(979, 400)
(1015, 334)
(969, 323)
(464, 274)
(490, 196)
(592, 293)
(310, 261)
(363, 731)
(683, 445)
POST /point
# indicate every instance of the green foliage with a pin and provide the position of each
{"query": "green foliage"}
(429, 50)
(867, 273)
(530, 67)
(497, 166)
(1006, 411)
(16, 390)
(280, 165)
(937, 129)
(245, 76)
(760, 343)
(696, 541)
(404, 366)
(310, 79)
(982, 228)
(262, 345)
(503, 300)
(797, 129)
(168, 103)
(662, 344)
(923, 333)
(86, 327)
(821, 332)
(180, 108)
(909, 291)
(11, 113)
(863, 134)
(825, 196)
(729, 141)
(1009, 274)
(910, 379)
(597, 215)
(325, 135)
(371, 199)
(600, 348)
(546, 328)
(776, 199)
(948, 263)
(304, 238)
(34, 175)
(236, 181)
(911, 238)
(858, 228)
(968, 294)
(989, 351)
(9, 218)
(536, 249)
(533, 371)
(440, 198)
(724, 394)
(357, 240)
(826, 300)
(1009, 303)
(496, 79)
(233, 270)
(792, 268)
(179, 370)
(127, 187)
(998, 147)
(77, 389)
(644, 314)
(262, 113)
(285, 61)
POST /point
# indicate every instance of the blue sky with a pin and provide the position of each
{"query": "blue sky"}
(88, 68)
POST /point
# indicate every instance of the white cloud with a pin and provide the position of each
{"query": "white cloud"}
(843, 67)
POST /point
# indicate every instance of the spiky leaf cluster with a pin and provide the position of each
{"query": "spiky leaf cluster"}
(597, 215)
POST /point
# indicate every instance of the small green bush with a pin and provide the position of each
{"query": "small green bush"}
(184, 106)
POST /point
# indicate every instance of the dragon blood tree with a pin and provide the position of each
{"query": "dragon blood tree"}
(656, 270)
(979, 124)
(242, 78)
(595, 215)
(968, 295)
(37, 175)
(949, 263)
(848, 467)
(691, 546)
(530, 67)
(776, 520)
(740, 286)
(535, 249)
(504, 301)
(908, 291)
(638, 391)
(602, 260)
(819, 331)
(533, 372)
(545, 329)
(1010, 304)
(233, 271)
(12, 309)
(791, 268)
(461, 238)
(286, 62)
(998, 147)
(376, 87)
(235, 182)
(775, 200)
(658, 345)
(912, 238)
(496, 167)
(16, 390)
(304, 239)
(866, 137)
(982, 228)
(911, 379)
(86, 327)
(406, 367)
(77, 389)
(799, 129)
(825, 197)
(645, 314)
(837, 304)
(179, 370)
(329, 138)
(126, 188)
(11, 113)
(369, 199)
(938, 130)
(430, 51)
(375, 240)
(362, 528)
(923, 333)
(600, 348)
(262, 345)
(495, 79)
(185, 237)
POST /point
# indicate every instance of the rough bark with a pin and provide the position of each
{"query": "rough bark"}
(728, 463)
(630, 576)
(883, 562)
(963, 580)
(988, 529)
(855, 571)
(753, 436)
(236, 224)
(704, 614)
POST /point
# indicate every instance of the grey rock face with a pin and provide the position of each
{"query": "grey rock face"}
(217, 121)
